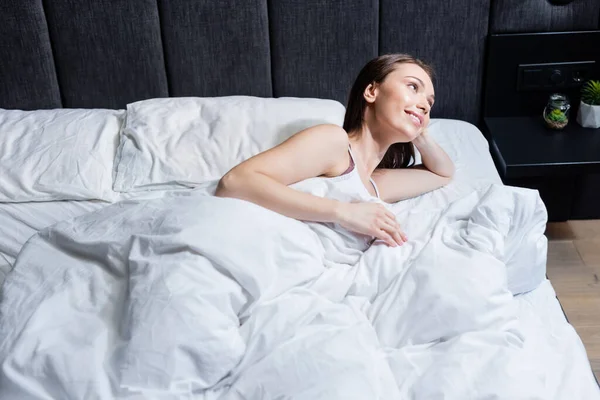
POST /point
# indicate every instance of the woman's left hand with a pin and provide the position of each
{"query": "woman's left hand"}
(422, 138)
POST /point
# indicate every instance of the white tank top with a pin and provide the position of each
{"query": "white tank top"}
(341, 246)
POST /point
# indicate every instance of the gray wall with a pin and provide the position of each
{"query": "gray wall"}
(513, 16)
(107, 53)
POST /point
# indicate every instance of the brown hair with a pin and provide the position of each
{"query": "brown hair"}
(399, 155)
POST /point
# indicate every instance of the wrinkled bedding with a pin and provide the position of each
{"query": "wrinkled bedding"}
(200, 297)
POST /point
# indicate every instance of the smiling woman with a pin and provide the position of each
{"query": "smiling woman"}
(345, 176)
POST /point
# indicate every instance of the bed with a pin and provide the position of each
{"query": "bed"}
(122, 276)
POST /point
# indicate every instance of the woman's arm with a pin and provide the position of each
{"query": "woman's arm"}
(320, 150)
(403, 183)
(433, 157)
(264, 178)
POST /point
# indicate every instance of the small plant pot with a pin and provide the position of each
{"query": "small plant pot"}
(556, 112)
(555, 119)
(588, 116)
(556, 125)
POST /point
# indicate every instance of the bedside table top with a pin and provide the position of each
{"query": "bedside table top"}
(524, 147)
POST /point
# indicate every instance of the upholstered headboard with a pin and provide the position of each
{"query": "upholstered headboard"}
(107, 53)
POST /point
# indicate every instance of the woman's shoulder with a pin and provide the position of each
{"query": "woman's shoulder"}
(325, 145)
(328, 134)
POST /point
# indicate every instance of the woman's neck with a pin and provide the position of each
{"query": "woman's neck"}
(367, 150)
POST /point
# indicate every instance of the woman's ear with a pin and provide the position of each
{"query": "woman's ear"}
(370, 92)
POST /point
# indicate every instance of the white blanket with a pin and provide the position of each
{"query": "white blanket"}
(208, 298)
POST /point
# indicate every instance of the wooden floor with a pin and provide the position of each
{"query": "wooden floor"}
(574, 270)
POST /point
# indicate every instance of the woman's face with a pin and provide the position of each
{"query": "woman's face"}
(402, 102)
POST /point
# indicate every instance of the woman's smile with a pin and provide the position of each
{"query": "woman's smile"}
(416, 119)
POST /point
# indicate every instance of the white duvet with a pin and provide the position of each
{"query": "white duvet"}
(198, 297)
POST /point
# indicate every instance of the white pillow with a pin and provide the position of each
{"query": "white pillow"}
(467, 147)
(174, 142)
(474, 167)
(61, 154)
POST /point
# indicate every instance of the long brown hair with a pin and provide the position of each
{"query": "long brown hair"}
(399, 155)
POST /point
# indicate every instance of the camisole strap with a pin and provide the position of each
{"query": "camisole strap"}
(375, 187)
(353, 163)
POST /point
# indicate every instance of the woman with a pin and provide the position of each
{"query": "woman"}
(387, 113)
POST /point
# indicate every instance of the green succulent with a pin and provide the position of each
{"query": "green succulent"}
(590, 93)
(556, 116)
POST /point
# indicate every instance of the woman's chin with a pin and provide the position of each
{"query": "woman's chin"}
(413, 134)
(407, 133)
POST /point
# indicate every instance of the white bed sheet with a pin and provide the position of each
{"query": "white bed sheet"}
(556, 347)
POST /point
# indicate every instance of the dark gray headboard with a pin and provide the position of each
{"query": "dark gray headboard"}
(107, 53)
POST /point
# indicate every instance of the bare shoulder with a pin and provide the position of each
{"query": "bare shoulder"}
(321, 150)
(325, 145)
(329, 133)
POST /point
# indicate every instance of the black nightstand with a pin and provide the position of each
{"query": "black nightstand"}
(527, 154)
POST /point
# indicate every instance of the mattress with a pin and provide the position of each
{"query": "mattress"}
(555, 346)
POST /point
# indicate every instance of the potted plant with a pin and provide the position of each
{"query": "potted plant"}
(588, 115)
(556, 119)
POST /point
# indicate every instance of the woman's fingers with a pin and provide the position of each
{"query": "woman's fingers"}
(390, 214)
(398, 236)
(401, 233)
(386, 237)
(397, 228)
(387, 228)
(393, 229)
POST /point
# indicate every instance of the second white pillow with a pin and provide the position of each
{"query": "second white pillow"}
(175, 142)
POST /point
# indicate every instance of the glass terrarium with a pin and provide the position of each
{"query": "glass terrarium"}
(556, 113)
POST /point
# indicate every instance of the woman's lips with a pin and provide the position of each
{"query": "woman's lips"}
(416, 119)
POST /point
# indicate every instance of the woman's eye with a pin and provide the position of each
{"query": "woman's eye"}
(414, 86)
